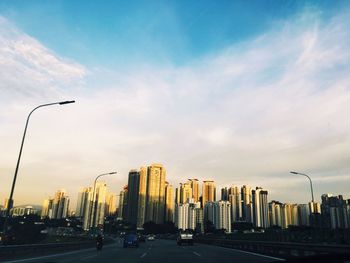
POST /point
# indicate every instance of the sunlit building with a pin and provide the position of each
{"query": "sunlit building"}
(169, 202)
(155, 194)
(260, 208)
(57, 207)
(111, 204)
(195, 189)
(208, 192)
(275, 214)
(247, 204)
(93, 209)
(185, 193)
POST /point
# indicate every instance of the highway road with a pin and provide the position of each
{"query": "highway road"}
(162, 251)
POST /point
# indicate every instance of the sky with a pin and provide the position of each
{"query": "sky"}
(240, 92)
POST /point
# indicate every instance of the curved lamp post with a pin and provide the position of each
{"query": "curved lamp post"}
(312, 191)
(10, 201)
(93, 206)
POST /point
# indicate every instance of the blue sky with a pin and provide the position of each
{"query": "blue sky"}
(163, 32)
(240, 92)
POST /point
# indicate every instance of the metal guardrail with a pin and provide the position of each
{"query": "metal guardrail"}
(279, 249)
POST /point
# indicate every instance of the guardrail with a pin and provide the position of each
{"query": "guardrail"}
(284, 250)
(17, 251)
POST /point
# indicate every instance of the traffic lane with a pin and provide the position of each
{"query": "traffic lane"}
(211, 253)
(169, 251)
(110, 253)
(152, 251)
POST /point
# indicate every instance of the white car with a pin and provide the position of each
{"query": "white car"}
(150, 238)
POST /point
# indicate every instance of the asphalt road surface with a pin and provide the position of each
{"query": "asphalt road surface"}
(158, 251)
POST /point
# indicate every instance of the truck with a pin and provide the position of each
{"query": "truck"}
(184, 237)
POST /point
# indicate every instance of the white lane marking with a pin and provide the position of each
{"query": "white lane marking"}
(251, 253)
(149, 248)
(84, 258)
(197, 254)
(54, 255)
(143, 255)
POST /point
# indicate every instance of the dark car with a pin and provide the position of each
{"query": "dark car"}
(141, 238)
(130, 240)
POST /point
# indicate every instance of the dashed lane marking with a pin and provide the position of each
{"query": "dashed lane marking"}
(143, 255)
(197, 254)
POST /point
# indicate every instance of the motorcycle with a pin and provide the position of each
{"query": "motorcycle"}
(99, 245)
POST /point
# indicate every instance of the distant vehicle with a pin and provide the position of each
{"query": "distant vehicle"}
(150, 238)
(141, 238)
(185, 238)
(130, 240)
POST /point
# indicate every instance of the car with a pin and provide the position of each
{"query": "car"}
(130, 240)
(150, 238)
(185, 238)
(141, 238)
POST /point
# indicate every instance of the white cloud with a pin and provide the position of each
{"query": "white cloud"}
(29, 68)
(245, 115)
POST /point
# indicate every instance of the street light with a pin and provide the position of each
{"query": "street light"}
(312, 191)
(10, 201)
(93, 207)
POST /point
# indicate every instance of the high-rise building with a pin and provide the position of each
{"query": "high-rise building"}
(209, 192)
(247, 204)
(275, 213)
(111, 204)
(195, 189)
(260, 208)
(93, 209)
(289, 215)
(169, 202)
(224, 194)
(219, 213)
(335, 211)
(199, 218)
(186, 193)
(234, 197)
(155, 194)
(304, 215)
(122, 194)
(57, 207)
(133, 197)
(83, 201)
(177, 196)
(181, 216)
(98, 210)
(84, 206)
(141, 213)
(46, 211)
(189, 216)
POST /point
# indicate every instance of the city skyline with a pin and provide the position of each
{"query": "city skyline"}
(182, 182)
(244, 107)
(149, 197)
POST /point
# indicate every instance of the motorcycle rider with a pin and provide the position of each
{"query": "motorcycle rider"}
(99, 242)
